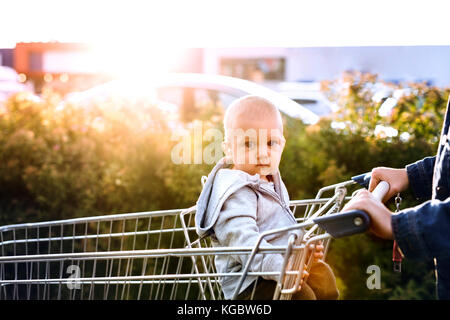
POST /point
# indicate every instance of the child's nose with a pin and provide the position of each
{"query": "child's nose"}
(263, 154)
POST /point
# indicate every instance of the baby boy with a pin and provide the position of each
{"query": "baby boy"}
(244, 196)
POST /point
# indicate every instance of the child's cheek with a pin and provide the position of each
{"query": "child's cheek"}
(264, 172)
(251, 157)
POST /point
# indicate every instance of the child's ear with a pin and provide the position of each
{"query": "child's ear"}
(283, 141)
(226, 148)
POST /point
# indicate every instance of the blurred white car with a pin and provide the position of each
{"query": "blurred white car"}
(307, 94)
(176, 90)
(8, 83)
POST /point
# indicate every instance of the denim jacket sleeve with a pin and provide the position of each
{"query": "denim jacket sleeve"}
(422, 231)
(420, 175)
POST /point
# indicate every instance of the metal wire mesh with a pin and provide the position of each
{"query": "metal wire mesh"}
(146, 255)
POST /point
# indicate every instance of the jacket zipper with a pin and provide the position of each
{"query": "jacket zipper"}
(283, 205)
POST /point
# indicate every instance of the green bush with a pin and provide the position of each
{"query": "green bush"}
(61, 161)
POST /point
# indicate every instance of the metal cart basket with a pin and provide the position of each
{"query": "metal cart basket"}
(157, 254)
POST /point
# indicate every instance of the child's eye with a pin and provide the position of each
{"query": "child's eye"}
(273, 143)
(249, 144)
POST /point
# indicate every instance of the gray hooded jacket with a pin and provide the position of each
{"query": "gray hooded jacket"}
(234, 208)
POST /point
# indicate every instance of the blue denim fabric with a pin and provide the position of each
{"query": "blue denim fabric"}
(420, 176)
(423, 232)
(443, 279)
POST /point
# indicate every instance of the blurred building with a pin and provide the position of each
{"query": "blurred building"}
(6, 57)
(69, 66)
(401, 63)
(10, 81)
(62, 66)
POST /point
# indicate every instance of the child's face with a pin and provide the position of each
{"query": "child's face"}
(256, 146)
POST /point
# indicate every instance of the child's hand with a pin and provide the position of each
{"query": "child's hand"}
(305, 275)
(317, 251)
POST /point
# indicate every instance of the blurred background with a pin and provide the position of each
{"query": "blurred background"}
(92, 93)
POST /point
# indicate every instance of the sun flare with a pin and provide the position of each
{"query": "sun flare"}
(135, 60)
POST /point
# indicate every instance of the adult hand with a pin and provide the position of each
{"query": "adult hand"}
(397, 179)
(380, 216)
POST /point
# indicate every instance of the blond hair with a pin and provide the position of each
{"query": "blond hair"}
(255, 106)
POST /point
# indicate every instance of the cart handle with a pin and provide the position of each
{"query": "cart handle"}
(344, 224)
(364, 180)
(351, 222)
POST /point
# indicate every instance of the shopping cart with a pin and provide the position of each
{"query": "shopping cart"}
(157, 254)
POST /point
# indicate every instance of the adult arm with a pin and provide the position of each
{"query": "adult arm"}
(420, 176)
(422, 232)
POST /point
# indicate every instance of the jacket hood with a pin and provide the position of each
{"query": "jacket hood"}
(219, 186)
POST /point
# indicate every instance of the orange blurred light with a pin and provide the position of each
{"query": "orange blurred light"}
(64, 77)
(22, 77)
(48, 77)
